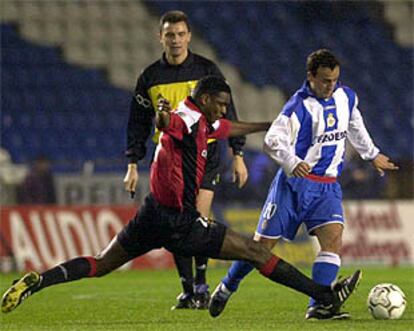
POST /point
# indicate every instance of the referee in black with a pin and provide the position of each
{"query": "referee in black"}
(173, 77)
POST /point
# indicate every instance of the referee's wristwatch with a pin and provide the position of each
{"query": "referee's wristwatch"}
(238, 153)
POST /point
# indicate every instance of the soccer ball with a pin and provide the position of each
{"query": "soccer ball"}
(386, 301)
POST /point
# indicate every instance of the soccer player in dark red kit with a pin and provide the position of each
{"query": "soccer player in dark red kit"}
(172, 77)
(169, 218)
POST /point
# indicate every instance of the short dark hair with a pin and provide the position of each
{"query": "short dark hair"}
(212, 85)
(321, 58)
(174, 16)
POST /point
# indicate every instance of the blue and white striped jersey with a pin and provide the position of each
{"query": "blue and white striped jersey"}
(314, 130)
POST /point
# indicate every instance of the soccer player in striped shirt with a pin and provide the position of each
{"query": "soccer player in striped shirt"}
(307, 140)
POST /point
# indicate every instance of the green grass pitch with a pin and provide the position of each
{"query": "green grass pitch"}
(141, 300)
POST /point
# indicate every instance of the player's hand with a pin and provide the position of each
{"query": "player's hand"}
(302, 169)
(239, 171)
(382, 163)
(163, 105)
(131, 179)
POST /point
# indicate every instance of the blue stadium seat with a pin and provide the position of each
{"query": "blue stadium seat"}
(46, 104)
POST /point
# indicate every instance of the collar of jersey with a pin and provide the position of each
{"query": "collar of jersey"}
(187, 62)
(306, 91)
(189, 102)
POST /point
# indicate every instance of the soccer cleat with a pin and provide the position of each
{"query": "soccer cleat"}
(219, 300)
(343, 289)
(185, 301)
(19, 291)
(202, 296)
(320, 312)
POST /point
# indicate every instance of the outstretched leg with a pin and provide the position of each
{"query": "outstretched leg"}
(238, 247)
(112, 257)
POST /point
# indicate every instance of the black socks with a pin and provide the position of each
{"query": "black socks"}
(75, 269)
(283, 273)
(185, 271)
(201, 269)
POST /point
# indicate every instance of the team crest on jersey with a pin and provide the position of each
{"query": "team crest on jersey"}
(204, 153)
(330, 121)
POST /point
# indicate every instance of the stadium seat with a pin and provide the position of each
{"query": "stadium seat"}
(50, 101)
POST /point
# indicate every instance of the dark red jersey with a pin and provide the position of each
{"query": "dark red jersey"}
(180, 157)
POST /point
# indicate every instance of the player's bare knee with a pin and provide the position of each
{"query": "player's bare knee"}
(332, 245)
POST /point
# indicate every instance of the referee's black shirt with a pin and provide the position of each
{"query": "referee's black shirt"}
(175, 83)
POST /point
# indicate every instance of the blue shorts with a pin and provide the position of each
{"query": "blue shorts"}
(293, 201)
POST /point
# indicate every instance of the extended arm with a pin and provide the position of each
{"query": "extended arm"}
(360, 139)
(243, 128)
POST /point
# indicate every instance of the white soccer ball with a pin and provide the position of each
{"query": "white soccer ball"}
(386, 301)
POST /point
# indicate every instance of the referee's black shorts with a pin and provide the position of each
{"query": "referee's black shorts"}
(212, 176)
(183, 233)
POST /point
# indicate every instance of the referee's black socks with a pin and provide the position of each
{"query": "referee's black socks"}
(184, 266)
(201, 269)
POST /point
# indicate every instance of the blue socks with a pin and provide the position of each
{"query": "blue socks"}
(236, 273)
(325, 269)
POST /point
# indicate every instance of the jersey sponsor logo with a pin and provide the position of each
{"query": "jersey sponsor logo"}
(143, 101)
(328, 137)
(269, 211)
